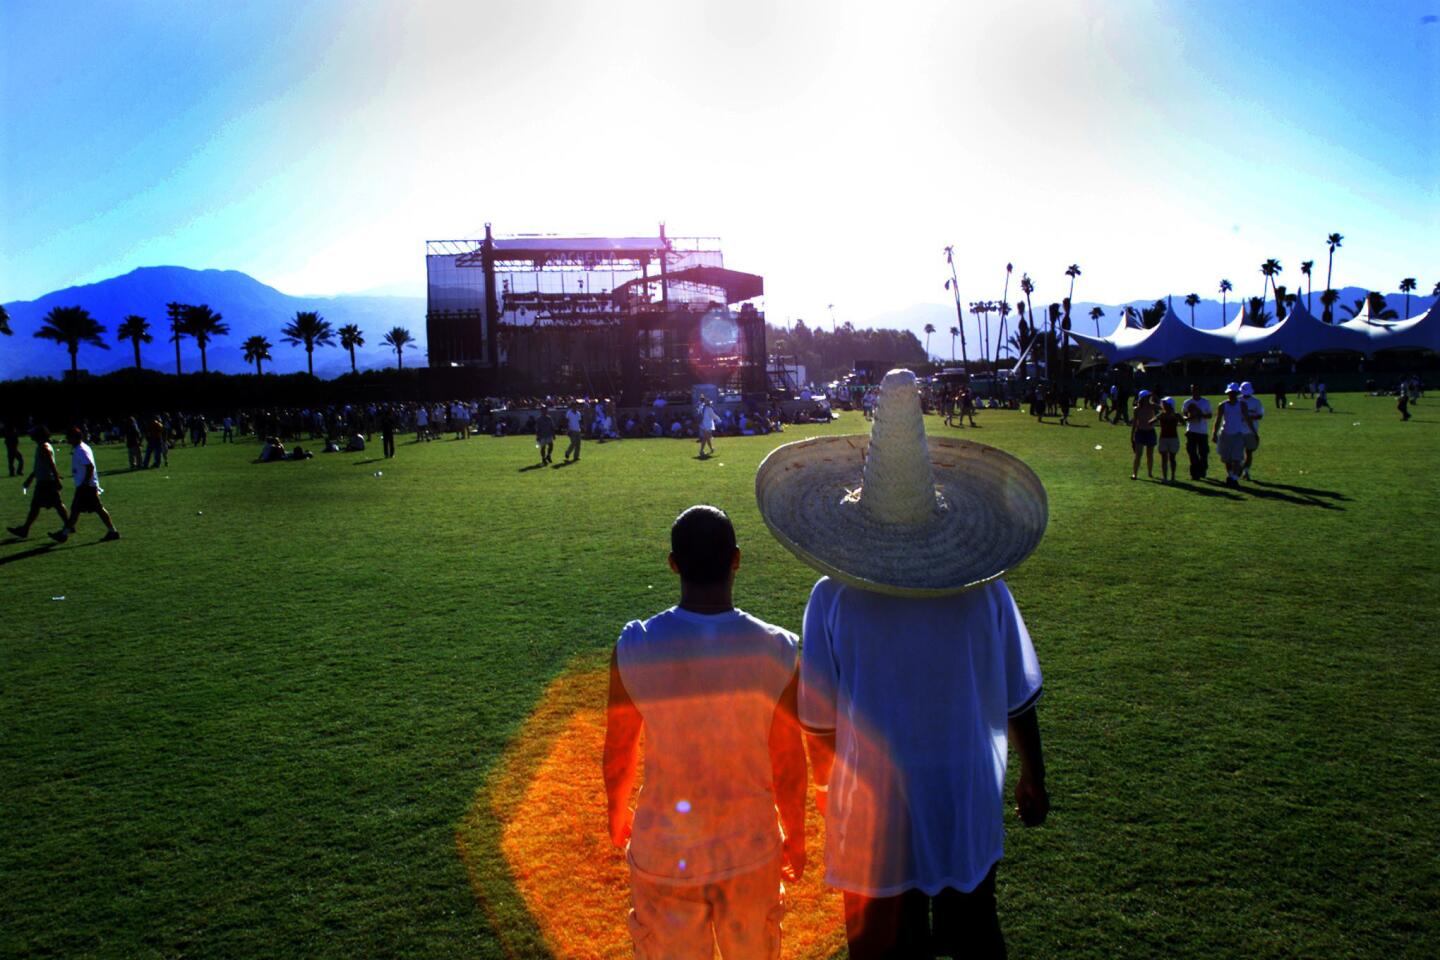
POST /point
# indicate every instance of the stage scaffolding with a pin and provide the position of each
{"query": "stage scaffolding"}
(624, 317)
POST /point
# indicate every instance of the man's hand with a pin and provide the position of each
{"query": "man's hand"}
(792, 859)
(1032, 803)
(822, 799)
(620, 824)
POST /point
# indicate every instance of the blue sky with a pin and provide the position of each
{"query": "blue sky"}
(836, 147)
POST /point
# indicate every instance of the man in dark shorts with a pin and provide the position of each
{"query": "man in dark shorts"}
(87, 489)
(47, 483)
(1142, 433)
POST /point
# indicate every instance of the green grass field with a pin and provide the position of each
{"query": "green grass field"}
(256, 726)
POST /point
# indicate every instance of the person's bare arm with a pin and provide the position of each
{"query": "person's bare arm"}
(1032, 802)
(787, 765)
(622, 754)
(822, 758)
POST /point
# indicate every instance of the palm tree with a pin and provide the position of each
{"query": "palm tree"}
(1027, 287)
(1225, 287)
(176, 313)
(1327, 300)
(1191, 301)
(136, 329)
(1433, 293)
(954, 332)
(312, 330)
(350, 338)
(1379, 310)
(929, 329)
(396, 340)
(1095, 314)
(1305, 269)
(1406, 286)
(5, 321)
(1269, 268)
(1256, 315)
(1072, 272)
(257, 348)
(72, 326)
(1334, 242)
(202, 323)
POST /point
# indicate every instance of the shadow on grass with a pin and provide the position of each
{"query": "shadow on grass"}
(1304, 491)
(1207, 489)
(38, 549)
(564, 463)
(361, 463)
(534, 466)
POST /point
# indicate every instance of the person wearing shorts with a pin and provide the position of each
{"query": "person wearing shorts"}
(1169, 443)
(545, 434)
(46, 478)
(1256, 409)
(1228, 433)
(87, 489)
(1142, 433)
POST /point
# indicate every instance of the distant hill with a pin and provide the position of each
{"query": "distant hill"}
(247, 305)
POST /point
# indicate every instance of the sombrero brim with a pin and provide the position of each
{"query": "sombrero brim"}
(995, 515)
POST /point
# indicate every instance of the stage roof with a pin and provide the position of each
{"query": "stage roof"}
(737, 285)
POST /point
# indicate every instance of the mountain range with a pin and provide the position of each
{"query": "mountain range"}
(248, 306)
(251, 307)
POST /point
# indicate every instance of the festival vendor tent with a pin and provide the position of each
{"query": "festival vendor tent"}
(1170, 339)
(1421, 333)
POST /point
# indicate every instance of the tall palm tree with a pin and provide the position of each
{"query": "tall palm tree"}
(1406, 286)
(72, 326)
(5, 321)
(397, 339)
(312, 330)
(1433, 293)
(1027, 287)
(176, 313)
(1095, 314)
(257, 348)
(1327, 300)
(929, 329)
(1334, 243)
(1072, 272)
(1269, 268)
(1375, 302)
(1225, 287)
(350, 338)
(1305, 269)
(954, 332)
(203, 324)
(136, 329)
(1191, 301)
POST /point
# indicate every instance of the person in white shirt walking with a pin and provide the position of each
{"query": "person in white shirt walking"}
(1256, 409)
(573, 428)
(1196, 412)
(87, 489)
(709, 420)
(720, 820)
(1232, 419)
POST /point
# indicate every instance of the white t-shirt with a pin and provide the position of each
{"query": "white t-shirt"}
(919, 693)
(1203, 405)
(708, 419)
(82, 458)
(707, 687)
(1232, 417)
(572, 420)
(1256, 409)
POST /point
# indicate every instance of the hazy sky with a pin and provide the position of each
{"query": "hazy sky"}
(835, 147)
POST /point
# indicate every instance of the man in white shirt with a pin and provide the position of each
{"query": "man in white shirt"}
(714, 691)
(708, 422)
(573, 427)
(87, 489)
(1197, 412)
(1256, 409)
(1231, 425)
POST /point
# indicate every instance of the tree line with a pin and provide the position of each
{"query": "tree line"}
(829, 354)
(73, 326)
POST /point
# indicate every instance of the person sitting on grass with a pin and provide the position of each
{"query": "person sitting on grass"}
(272, 452)
(46, 478)
(714, 691)
(87, 489)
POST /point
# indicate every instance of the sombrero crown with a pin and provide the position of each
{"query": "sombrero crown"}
(898, 513)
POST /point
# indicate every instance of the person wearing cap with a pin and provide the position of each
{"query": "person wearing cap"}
(1195, 412)
(1256, 409)
(1142, 433)
(46, 478)
(87, 489)
(708, 422)
(714, 691)
(916, 671)
(1231, 421)
(1168, 422)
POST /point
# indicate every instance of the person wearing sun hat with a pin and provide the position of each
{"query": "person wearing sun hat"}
(1232, 420)
(915, 664)
(1256, 409)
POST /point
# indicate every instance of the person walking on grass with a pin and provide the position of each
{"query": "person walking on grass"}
(573, 429)
(46, 479)
(387, 432)
(1231, 421)
(87, 489)
(1142, 433)
(1168, 422)
(915, 665)
(720, 820)
(709, 421)
(545, 434)
(1322, 399)
(1195, 412)
(1256, 409)
(14, 460)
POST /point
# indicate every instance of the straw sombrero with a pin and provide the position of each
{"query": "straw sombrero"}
(898, 513)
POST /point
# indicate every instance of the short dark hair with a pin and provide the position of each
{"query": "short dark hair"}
(702, 540)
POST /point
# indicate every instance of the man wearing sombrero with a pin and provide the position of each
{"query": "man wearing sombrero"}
(914, 667)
